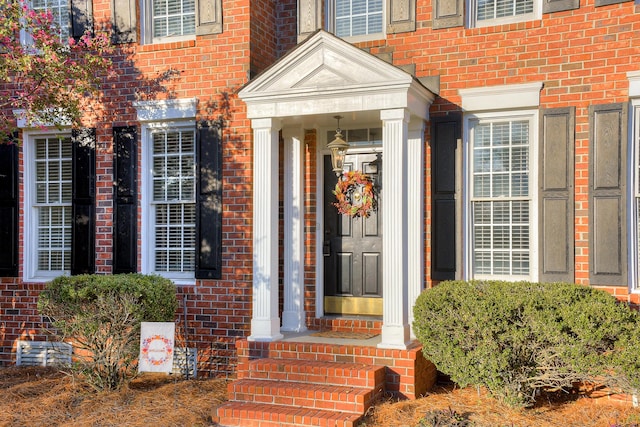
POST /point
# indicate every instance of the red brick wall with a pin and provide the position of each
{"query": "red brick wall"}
(582, 57)
(211, 68)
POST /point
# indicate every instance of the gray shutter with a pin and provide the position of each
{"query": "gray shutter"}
(559, 5)
(309, 17)
(556, 178)
(81, 17)
(448, 13)
(608, 2)
(208, 17)
(123, 15)
(402, 16)
(445, 133)
(607, 194)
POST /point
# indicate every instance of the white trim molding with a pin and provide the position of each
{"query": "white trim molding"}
(170, 109)
(507, 97)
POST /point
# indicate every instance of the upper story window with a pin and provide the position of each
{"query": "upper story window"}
(496, 12)
(173, 18)
(61, 17)
(169, 20)
(357, 18)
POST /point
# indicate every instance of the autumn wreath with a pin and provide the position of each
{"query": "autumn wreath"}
(355, 194)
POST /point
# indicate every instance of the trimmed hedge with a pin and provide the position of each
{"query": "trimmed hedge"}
(517, 339)
(101, 314)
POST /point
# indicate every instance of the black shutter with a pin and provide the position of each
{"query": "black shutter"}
(84, 212)
(607, 194)
(123, 20)
(209, 202)
(559, 5)
(208, 17)
(125, 237)
(448, 13)
(9, 209)
(445, 132)
(402, 16)
(556, 182)
(81, 17)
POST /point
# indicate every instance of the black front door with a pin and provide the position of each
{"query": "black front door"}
(352, 247)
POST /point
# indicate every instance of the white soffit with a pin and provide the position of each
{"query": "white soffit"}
(501, 97)
(325, 75)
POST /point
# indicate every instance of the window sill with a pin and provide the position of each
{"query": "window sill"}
(502, 27)
(168, 45)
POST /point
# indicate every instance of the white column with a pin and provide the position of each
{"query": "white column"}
(293, 317)
(395, 317)
(265, 323)
(415, 213)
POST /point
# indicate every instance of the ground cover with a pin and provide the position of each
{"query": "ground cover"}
(44, 397)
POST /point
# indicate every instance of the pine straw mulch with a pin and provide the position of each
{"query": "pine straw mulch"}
(475, 408)
(45, 397)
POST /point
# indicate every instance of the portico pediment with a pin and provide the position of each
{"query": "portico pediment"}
(325, 74)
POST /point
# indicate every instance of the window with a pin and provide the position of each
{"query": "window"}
(170, 19)
(59, 10)
(172, 204)
(49, 220)
(352, 18)
(501, 197)
(495, 12)
(181, 198)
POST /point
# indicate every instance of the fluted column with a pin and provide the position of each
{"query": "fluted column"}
(395, 319)
(265, 323)
(415, 214)
(293, 318)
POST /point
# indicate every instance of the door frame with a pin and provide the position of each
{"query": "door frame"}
(321, 151)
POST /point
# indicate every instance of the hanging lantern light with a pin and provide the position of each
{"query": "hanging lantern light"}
(338, 149)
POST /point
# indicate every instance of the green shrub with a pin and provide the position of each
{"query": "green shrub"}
(101, 315)
(517, 339)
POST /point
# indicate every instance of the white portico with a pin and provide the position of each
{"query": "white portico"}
(321, 78)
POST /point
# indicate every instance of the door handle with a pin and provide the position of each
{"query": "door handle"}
(326, 248)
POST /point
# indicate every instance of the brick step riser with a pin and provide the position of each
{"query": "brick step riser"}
(228, 417)
(286, 395)
(281, 371)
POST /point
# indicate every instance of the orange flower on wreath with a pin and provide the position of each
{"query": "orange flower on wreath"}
(355, 194)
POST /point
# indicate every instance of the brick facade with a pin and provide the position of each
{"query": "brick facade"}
(581, 56)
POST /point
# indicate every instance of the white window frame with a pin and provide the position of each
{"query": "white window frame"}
(146, 18)
(331, 23)
(26, 38)
(503, 116)
(148, 210)
(634, 199)
(30, 242)
(473, 22)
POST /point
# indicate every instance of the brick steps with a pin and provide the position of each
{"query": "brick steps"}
(328, 397)
(247, 414)
(290, 392)
(314, 372)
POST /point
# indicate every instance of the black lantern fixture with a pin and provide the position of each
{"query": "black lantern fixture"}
(338, 149)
